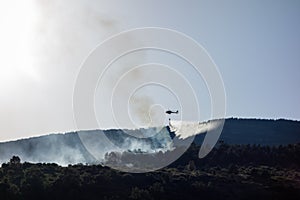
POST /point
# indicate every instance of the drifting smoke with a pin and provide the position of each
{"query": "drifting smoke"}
(139, 150)
(143, 108)
(61, 34)
(68, 148)
(150, 147)
(62, 149)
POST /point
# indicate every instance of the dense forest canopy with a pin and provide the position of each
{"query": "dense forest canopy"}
(228, 172)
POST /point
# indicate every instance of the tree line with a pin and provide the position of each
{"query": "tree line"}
(228, 172)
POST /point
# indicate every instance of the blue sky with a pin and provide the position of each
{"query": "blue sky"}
(255, 44)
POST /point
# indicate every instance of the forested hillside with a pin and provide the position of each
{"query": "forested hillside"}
(228, 172)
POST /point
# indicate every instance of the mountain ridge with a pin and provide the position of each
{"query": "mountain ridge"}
(69, 148)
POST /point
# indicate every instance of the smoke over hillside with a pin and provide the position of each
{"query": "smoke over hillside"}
(130, 148)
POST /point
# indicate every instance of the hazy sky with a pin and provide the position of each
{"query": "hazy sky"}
(255, 44)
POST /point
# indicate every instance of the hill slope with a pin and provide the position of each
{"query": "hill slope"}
(71, 148)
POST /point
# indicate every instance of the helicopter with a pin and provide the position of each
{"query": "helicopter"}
(171, 112)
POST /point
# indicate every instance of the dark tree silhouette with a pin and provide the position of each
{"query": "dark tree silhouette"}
(15, 160)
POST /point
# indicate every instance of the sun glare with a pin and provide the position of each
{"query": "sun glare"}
(17, 28)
